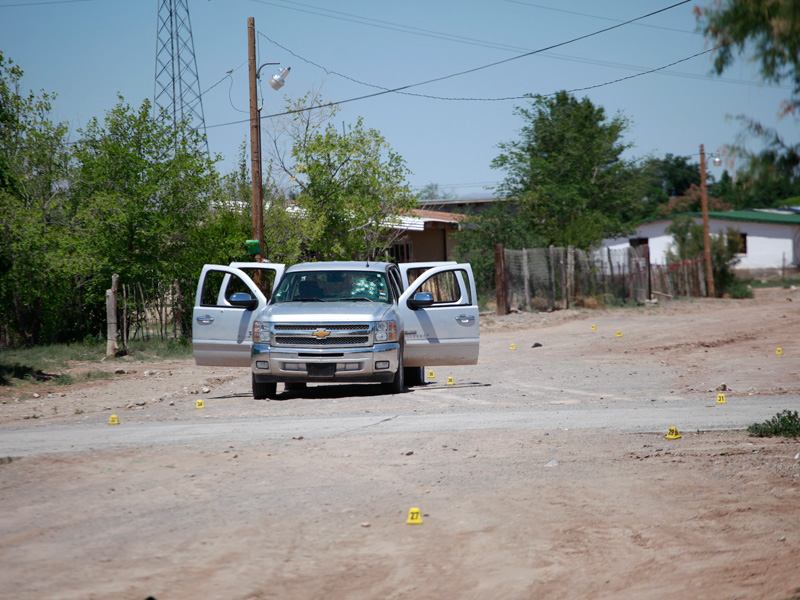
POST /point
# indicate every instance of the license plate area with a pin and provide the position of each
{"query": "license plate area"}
(321, 370)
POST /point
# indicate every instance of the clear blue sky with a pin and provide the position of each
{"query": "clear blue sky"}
(87, 51)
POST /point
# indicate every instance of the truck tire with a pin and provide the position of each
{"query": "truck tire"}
(414, 376)
(398, 384)
(262, 391)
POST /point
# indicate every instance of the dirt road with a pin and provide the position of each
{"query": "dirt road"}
(508, 511)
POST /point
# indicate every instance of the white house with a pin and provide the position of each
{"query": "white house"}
(771, 237)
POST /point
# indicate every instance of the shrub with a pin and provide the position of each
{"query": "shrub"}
(785, 424)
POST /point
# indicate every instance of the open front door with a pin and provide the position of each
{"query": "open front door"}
(448, 331)
(221, 331)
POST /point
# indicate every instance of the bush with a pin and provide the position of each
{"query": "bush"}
(740, 289)
(785, 424)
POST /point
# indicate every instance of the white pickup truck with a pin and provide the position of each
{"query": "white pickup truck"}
(341, 322)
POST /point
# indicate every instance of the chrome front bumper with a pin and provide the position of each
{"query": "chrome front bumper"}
(270, 364)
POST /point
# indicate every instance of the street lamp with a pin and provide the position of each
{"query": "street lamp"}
(276, 83)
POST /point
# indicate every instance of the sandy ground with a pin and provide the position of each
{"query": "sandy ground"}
(505, 513)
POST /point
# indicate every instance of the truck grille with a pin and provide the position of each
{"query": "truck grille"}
(333, 327)
(296, 340)
(341, 334)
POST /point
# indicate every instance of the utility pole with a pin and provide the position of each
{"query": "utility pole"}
(255, 143)
(706, 242)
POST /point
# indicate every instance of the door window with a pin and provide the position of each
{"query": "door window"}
(447, 287)
(212, 287)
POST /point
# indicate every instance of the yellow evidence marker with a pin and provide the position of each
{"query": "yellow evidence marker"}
(414, 517)
(779, 352)
(431, 375)
(450, 381)
(113, 420)
(200, 404)
(594, 327)
(619, 334)
(721, 399)
(673, 434)
(513, 347)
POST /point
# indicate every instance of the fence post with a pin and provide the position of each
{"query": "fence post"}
(570, 275)
(111, 317)
(500, 280)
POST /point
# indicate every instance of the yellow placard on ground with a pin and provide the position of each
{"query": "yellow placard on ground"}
(673, 434)
(450, 381)
(779, 351)
(431, 375)
(113, 420)
(619, 334)
(200, 404)
(513, 347)
(414, 517)
(721, 399)
(594, 327)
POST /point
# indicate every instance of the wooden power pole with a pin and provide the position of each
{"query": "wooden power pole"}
(706, 241)
(255, 142)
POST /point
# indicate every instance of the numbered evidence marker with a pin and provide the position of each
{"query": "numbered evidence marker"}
(673, 434)
(200, 404)
(414, 517)
(513, 347)
(450, 381)
(619, 334)
(779, 351)
(431, 375)
(594, 327)
(113, 420)
(721, 399)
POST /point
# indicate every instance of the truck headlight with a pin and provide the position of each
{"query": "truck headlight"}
(261, 332)
(385, 331)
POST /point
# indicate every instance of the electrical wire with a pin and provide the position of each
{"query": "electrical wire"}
(506, 98)
(581, 14)
(43, 2)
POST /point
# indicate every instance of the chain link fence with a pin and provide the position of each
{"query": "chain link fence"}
(547, 279)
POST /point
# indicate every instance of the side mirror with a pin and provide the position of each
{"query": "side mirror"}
(420, 300)
(243, 300)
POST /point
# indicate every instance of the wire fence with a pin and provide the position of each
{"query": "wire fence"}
(154, 310)
(552, 278)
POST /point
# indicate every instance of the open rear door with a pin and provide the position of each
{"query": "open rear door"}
(221, 332)
(448, 331)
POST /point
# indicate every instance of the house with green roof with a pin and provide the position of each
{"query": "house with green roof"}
(770, 238)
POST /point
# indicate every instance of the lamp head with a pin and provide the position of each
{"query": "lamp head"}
(717, 160)
(276, 81)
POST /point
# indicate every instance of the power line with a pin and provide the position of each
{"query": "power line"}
(581, 14)
(400, 89)
(43, 2)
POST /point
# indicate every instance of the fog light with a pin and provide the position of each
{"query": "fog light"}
(262, 364)
(382, 364)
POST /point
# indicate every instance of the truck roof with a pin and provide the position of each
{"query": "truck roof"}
(349, 265)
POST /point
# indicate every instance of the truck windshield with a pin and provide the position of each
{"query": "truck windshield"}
(333, 286)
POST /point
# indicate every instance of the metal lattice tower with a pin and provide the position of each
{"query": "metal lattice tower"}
(177, 86)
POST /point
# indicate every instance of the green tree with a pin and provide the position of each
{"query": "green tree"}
(353, 189)
(142, 187)
(567, 175)
(37, 288)
(668, 177)
(769, 30)
(347, 187)
(768, 33)
(724, 248)
(499, 224)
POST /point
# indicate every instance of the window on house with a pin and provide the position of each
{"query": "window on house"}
(742, 243)
(638, 242)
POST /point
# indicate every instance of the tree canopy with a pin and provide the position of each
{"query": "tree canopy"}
(566, 172)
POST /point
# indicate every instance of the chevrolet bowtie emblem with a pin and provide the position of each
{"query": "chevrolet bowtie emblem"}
(321, 333)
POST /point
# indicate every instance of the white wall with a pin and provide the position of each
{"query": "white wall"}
(768, 245)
